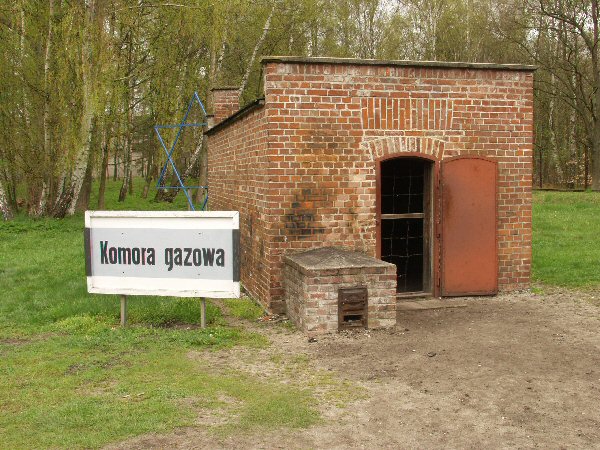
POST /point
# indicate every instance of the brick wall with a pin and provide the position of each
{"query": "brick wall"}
(237, 180)
(225, 102)
(329, 121)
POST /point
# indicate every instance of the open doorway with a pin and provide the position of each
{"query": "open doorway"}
(405, 221)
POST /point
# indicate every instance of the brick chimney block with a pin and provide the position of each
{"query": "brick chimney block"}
(225, 102)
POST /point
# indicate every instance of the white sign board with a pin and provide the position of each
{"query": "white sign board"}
(181, 254)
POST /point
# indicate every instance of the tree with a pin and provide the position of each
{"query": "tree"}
(5, 208)
(82, 82)
(573, 67)
(70, 194)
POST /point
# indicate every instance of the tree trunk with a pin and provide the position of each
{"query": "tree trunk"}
(115, 165)
(553, 141)
(586, 166)
(127, 185)
(572, 145)
(21, 65)
(37, 194)
(596, 102)
(36, 190)
(202, 176)
(5, 208)
(103, 170)
(86, 189)
(216, 62)
(59, 192)
(8, 186)
(41, 207)
(126, 175)
(87, 65)
(161, 194)
(596, 156)
(253, 57)
(63, 201)
(148, 176)
(541, 168)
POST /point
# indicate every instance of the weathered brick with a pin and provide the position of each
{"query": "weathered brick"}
(323, 290)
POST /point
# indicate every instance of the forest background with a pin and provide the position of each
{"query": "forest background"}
(82, 82)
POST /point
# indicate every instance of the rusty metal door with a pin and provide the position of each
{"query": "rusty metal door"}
(469, 262)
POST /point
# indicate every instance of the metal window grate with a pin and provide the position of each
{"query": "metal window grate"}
(402, 214)
(402, 186)
(402, 245)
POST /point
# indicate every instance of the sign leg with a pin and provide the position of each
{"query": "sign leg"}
(203, 313)
(123, 310)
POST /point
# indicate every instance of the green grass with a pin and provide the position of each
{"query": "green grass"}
(566, 244)
(70, 377)
(135, 202)
(244, 308)
(85, 389)
(41, 263)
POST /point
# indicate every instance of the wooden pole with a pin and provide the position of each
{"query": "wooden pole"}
(123, 310)
(203, 313)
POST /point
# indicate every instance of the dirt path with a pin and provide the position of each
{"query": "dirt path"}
(520, 371)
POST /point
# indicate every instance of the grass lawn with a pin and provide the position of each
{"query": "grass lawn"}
(566, 238)
(70, 377)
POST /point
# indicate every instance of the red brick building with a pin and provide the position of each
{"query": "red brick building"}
(427, 165)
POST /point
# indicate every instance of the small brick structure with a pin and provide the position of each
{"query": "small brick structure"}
(225, 102)
(321, 159)
(312, 281)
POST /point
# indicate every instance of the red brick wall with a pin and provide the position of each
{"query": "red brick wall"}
(329, 123)
(225, 102)
(237, 180)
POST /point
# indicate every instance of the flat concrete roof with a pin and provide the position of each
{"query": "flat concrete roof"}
(327, 258)
(401, 63)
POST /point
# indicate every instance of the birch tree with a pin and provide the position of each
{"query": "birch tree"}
(5, 208)
(40, 207)
(259, 42)
(71, 189)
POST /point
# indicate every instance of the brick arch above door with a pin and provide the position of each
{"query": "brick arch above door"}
(396, 145)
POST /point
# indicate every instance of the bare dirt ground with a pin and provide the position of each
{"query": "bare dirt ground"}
(514, 371)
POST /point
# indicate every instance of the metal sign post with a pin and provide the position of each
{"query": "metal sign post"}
(123, 310)
(203, 313)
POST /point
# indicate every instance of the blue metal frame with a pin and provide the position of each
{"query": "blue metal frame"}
(169, 153)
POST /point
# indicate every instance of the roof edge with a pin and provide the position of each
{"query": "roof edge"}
(256, 104)
(398, 63)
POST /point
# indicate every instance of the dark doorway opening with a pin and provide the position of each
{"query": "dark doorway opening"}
(405, 208)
